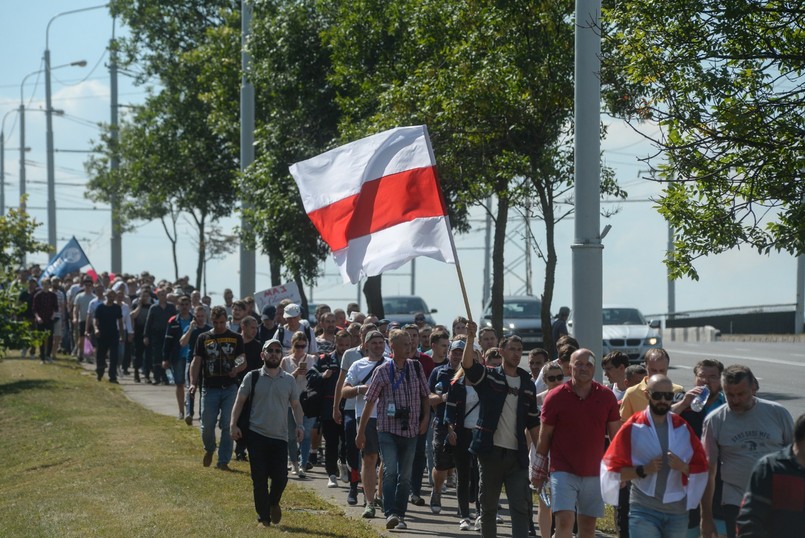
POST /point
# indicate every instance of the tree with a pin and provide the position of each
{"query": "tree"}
(16, 240)
(725, 85)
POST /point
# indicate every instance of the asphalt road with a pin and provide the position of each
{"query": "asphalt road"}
(779, 367)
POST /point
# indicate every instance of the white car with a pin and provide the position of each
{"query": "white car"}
(626, 330)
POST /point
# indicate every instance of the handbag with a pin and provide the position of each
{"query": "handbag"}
(89, 349)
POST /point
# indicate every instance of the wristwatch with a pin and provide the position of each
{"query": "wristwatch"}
(640, 471)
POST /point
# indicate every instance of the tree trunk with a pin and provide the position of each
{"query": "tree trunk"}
(545, 192)
(498, 271)
(275, 266)
(202, 246)
(374, 296)
(302, 295)
(173, 239)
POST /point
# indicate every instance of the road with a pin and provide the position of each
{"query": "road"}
(779, 367)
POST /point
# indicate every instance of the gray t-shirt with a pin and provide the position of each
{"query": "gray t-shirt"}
(656, 502)
(505, 436)
(272, 398)
(738, 441)
(348, 359)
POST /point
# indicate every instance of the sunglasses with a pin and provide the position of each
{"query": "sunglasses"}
(553, 378)
(300, 346)
(273, 350)
(662, 396)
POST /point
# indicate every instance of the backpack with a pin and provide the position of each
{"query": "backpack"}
(245, 413)
(280, 334)
(312, 398)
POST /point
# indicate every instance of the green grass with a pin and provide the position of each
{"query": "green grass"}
(80, 459)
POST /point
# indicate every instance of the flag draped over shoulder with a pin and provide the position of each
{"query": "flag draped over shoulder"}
(636, 443)
(70, 258)
(377, 202)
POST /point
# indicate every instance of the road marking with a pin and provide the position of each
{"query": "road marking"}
(798, 354)
(741, 349)
(739, 357)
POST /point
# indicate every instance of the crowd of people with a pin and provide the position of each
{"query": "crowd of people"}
(392, 411)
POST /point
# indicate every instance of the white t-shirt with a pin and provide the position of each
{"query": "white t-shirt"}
(355, 375)
(350, 356)
(471, 406)
(289, 364)
(505, 436)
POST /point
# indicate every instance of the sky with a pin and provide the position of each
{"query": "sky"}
(634, 274)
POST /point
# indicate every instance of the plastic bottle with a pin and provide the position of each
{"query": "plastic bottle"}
(698, 402)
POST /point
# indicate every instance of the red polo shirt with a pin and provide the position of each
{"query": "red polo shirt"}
(580, 426)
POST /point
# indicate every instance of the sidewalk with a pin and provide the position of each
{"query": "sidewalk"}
(421, 522)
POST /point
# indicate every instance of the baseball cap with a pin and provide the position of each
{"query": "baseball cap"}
(458, 344)
(269, 312)
(372, 334)
(272, 341)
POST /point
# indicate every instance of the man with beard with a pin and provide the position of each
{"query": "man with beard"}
(326, 340)
(660, 453)
(267, 439)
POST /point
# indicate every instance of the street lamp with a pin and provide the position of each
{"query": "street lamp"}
(49, 122)
(48, 112)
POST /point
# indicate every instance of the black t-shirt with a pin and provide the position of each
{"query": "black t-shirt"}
(107, 315)
(218, 353)
(253, 359)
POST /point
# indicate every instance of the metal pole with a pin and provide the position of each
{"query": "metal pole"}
(22, 156)
(247, 260)
(3, 172)
(51, 187)
(799, 315)
(587, 248)
(671, 281)
(529, 289)
(413, 276)
(487, 253)
(114, 163)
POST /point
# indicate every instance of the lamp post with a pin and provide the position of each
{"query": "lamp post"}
(3, 164)
(49, 133)
(48, 113)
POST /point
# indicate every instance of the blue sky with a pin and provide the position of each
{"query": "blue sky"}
(633, 249)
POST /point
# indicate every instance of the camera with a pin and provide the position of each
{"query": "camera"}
(403, 414)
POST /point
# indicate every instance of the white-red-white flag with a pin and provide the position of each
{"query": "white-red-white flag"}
(377, 202)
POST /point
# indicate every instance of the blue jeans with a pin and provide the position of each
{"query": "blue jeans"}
(304, 446)
(217, 403)
(647, 523)
(398, 459)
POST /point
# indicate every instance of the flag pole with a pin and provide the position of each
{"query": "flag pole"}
(449, 228)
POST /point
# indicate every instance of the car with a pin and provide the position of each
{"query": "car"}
(522, 316)
(626, 330)
(402, 308)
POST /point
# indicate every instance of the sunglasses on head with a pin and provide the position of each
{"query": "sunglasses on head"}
(662, 396)
(553, 378)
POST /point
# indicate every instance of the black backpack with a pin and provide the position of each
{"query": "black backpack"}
(246, 412)
(312, 398)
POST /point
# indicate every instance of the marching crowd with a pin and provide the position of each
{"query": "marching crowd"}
(397, 410)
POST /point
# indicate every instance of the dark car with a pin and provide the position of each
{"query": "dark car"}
(401, 308)
(522, 315)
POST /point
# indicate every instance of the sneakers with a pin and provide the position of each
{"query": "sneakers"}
(379, 503)
(498, 519)
(369, 511)
(392, 521)
(344, 472)
(301, 474)
(401, 526)
(188, 419)
(308, 466)
(180, 416)
(295, 468)
(276, 514)
(451, 481)
(207, 461)
(332, 482)
(478, 523)
(436, 503)
(352, 496)
(465, 524)
(223, 467)
(416, 500)
(241, 457)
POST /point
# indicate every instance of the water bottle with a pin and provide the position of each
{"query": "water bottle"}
(698, 402)
(169, 375)
(545, 493)
(439, 388)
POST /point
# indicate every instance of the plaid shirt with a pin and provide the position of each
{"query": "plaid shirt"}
(408, 394)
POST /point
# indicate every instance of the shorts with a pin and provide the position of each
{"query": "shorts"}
(575, 493)
(372, 444)
(179, 367)
(442, 455)
(58, 328)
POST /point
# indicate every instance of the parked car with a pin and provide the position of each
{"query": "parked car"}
(626, 330)
(522, 315)
(401, 308)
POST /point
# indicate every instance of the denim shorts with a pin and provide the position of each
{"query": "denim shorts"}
(179, 367)
(575, 493)
(372, 444)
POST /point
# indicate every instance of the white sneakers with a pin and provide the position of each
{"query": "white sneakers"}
(332, 482)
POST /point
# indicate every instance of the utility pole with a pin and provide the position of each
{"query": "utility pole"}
(487, 253)
(114, 163)
(587, 248)
(247, 261)
(22, 155)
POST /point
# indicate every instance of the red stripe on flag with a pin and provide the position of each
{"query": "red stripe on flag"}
(382, 203)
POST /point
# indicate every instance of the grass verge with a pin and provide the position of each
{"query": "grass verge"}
(80, 459)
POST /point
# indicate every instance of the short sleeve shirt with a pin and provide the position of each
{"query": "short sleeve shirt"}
(580, 426)
(270, 403)
(359, 370)
(218, 353)
(402, 389)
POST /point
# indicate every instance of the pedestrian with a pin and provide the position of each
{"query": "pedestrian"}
(108, 323)
(273, 393)
(508, 409)
(217, 360)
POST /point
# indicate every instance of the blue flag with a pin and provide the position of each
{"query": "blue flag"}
(70, 258)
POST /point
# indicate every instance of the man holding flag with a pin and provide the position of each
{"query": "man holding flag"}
(660, 453)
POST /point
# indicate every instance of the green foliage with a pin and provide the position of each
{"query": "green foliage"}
(725, 83)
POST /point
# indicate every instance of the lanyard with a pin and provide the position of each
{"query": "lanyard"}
(396, 385)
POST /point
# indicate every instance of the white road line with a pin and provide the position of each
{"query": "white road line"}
(741, 349)
(739, 357)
